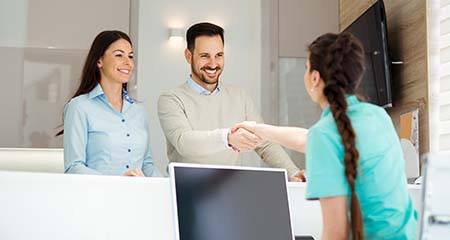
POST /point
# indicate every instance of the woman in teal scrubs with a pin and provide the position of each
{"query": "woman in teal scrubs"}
(354, 161)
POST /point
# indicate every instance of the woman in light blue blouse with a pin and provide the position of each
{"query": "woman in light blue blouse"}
(105, 130)
(354, 161)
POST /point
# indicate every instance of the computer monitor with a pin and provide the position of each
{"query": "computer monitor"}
(222, 202)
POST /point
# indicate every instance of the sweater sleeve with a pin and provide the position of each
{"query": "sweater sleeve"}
(271, 153)
(179, 133)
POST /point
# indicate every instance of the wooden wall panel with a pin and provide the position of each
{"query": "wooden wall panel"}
(407, 33)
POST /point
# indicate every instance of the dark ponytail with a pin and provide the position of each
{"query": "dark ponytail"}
(339, 58)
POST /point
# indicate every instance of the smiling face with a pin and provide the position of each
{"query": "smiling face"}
(117, 63)
(207, 60)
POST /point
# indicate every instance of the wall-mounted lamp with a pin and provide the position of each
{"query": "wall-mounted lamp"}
(176, 34)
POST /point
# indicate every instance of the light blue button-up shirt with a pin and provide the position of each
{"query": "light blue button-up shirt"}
(98, 139)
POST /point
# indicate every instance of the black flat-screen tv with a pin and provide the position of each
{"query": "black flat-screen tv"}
(371, 29)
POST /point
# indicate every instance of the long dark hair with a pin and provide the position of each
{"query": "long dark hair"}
(90, 75)
(339, 58)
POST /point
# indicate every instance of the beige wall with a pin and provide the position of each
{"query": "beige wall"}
(300, 22)
(286, 30)
(288, 26)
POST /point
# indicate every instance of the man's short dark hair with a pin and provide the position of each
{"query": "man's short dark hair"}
(202, 29)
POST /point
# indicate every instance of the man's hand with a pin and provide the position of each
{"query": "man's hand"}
(134, 173)
(241, 139)
(298, 177)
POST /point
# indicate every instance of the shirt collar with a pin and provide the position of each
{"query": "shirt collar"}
(351, 100)
(201, 90)
(98, 91)
(126, 96)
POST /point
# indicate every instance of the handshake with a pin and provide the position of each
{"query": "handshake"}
(242, 137)
(247, 136)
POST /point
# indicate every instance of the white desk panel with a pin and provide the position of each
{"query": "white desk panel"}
(57, 206)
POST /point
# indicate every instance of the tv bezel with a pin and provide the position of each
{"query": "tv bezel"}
(381, 29)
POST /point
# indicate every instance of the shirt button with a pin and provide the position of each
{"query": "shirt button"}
(123, 120)
(127, 166)
(129, 150)
(128, 134)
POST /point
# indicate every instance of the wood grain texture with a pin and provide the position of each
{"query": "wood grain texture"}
(407, 33)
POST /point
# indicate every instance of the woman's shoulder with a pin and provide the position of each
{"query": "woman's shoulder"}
(325, 124)
(372, 107)
(75, 107)
(325, 127)
(79, 100)
(376, 112)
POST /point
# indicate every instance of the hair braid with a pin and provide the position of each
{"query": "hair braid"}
(335, 89)
(342, 69)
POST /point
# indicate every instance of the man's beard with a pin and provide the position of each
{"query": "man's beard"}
(201, 75)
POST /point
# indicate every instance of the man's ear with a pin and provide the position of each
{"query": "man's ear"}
(188, 55)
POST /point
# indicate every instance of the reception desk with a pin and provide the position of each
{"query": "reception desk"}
(58, 206)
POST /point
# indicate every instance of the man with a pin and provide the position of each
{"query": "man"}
(196, 117)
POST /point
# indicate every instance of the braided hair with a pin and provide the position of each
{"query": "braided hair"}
(339, 58)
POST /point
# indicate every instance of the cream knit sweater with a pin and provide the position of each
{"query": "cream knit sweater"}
(193, 125)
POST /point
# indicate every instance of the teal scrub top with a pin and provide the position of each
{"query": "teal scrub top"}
(381, 186)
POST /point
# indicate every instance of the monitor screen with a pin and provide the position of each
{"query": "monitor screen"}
(225, 203)
(370, 28)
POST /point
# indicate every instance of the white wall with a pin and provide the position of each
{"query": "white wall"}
(71, 24)
(162, 65)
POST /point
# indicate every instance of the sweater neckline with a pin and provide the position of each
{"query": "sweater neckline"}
(190, 90)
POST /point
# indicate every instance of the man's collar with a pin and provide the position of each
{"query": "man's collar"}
(201, 90)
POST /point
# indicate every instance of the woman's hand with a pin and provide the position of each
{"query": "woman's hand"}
(134, 173)
(247, 125)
